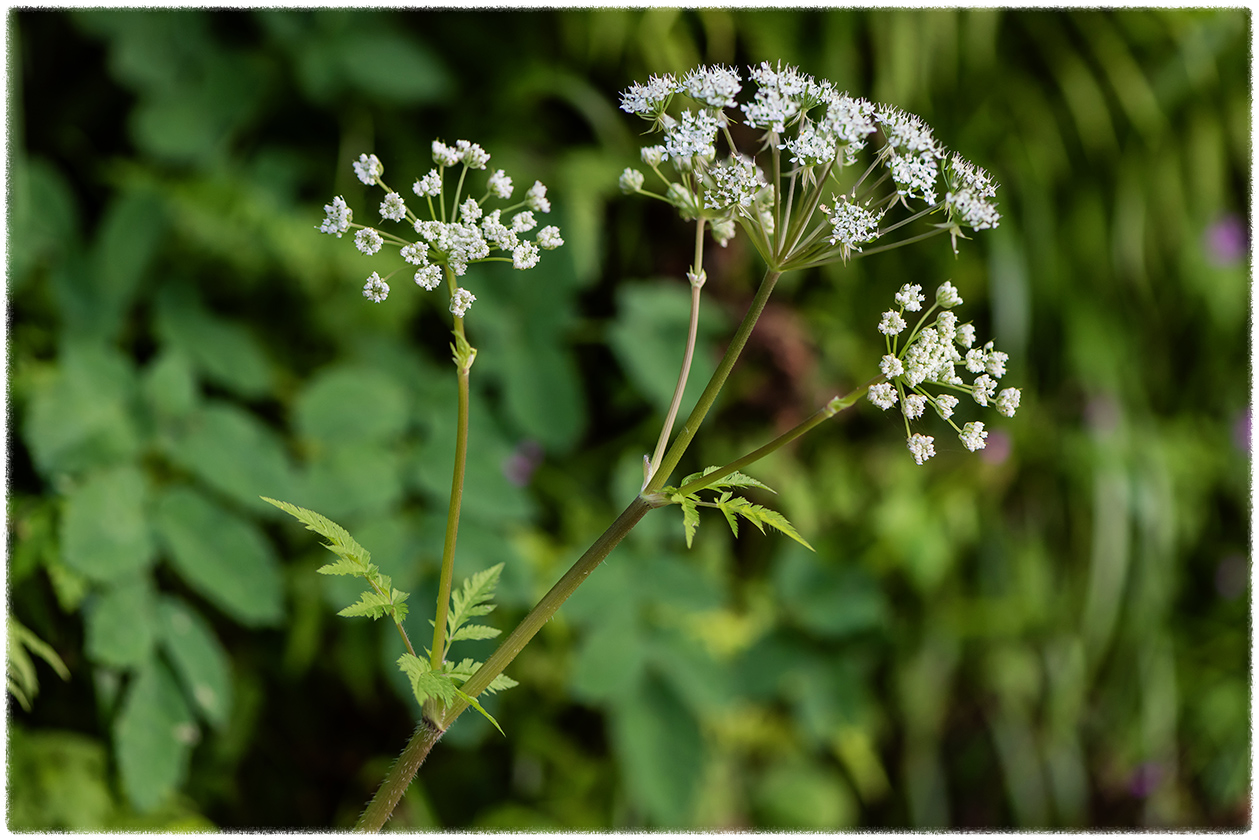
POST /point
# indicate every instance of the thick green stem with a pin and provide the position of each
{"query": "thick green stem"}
(706, 399)
(452, 513)
(399, 777)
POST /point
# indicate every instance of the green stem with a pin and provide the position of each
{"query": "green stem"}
(836, 405)
(452, 513)
(399, 777)
(697, 269)
(706, 399)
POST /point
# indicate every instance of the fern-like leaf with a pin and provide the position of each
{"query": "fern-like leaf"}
(465, 669)
(371, 604)
(690, 516)
(472, 600)
(425, 682)
(760, 517)
(475, 631)
(355, 559)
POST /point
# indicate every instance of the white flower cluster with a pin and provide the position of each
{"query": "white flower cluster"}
(821, 129)
(930, 357)
(446, 248)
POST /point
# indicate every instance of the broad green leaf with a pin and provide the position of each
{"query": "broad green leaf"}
(105, 531)
(169, 386)
(43, 218)
(234, 452)
(130, 233)
(64, 781)
(796, 795)
(353, 480)
(660, 752)
(223, 557)
(829, 599)
(199, 659)
(386, 63)
(83, 416)
(224, 351)
(351, 403)
(153, 735)
(121, 624)
(611, 656)
(354, 558)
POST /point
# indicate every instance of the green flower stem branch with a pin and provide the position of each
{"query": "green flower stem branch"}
(464, 355)
(697, 278)
(826, 412)
(429, 731)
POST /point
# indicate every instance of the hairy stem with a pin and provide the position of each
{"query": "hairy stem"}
(697, 269)
(399, 777)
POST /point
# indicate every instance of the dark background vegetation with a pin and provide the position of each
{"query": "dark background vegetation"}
(1054, 632)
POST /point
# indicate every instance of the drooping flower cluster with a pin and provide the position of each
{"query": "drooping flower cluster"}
(459, 229)
(812, 136)
(930, 357)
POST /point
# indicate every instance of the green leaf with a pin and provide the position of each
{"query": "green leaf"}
(223, 557)
(690, 517)
(234, 452)
(121, 624)
(23, 681)
(355, 560)
(660, 752)
(224, 351)
(472, 701)
(198, 658)
(105, 530)
(475, 631)
(153, 735)
(762, 516)
(351, 403)
(375, 604)
(465, 669)
(425, 682)
(473, 599)
(170, 386)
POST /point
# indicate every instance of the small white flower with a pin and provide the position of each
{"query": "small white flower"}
(736, 181)
(497, 232)
(891, 367)
(1007, 401)
(892, 323)
(947, 296)
(914, 175)
(460, 301)
(852, 226)
(429, 277)
(525, 255)
(922, 447)
(393, 208)
(966, 335)
(500, 185)
(429, 185)
(631, 181)
(472, 155)
(549, 238)
(910, 297)
(976, 360)
(692, 137)
(967, 198)
(914, 406)
(883, 395)
(367, 167)
(536, 198)
(368, 241)
(375, 289)
(469, 211)
(715, 86)
(723, 231)
(649, 99)
(996, 361)
(945, 403)
(906, 132)
(339, 216)
(973, 436)
(523, 222)
(444, 155)
(653, 156)
(983, 389)
(946, 326)
(415, 253)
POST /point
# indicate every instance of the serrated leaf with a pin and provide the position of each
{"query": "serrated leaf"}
(761, 516)
(425, 682)
(690, 517)
(501, 683)
(738, 479)
(472, 600)
(472, 701)
(371, 603)
(465, 669)
(339, 540)
(475, 631)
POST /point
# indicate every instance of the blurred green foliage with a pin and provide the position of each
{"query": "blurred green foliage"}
(1054, 633)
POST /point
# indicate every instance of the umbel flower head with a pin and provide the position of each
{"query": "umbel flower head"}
(802, 194)
(927, 361)
(457, 228)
